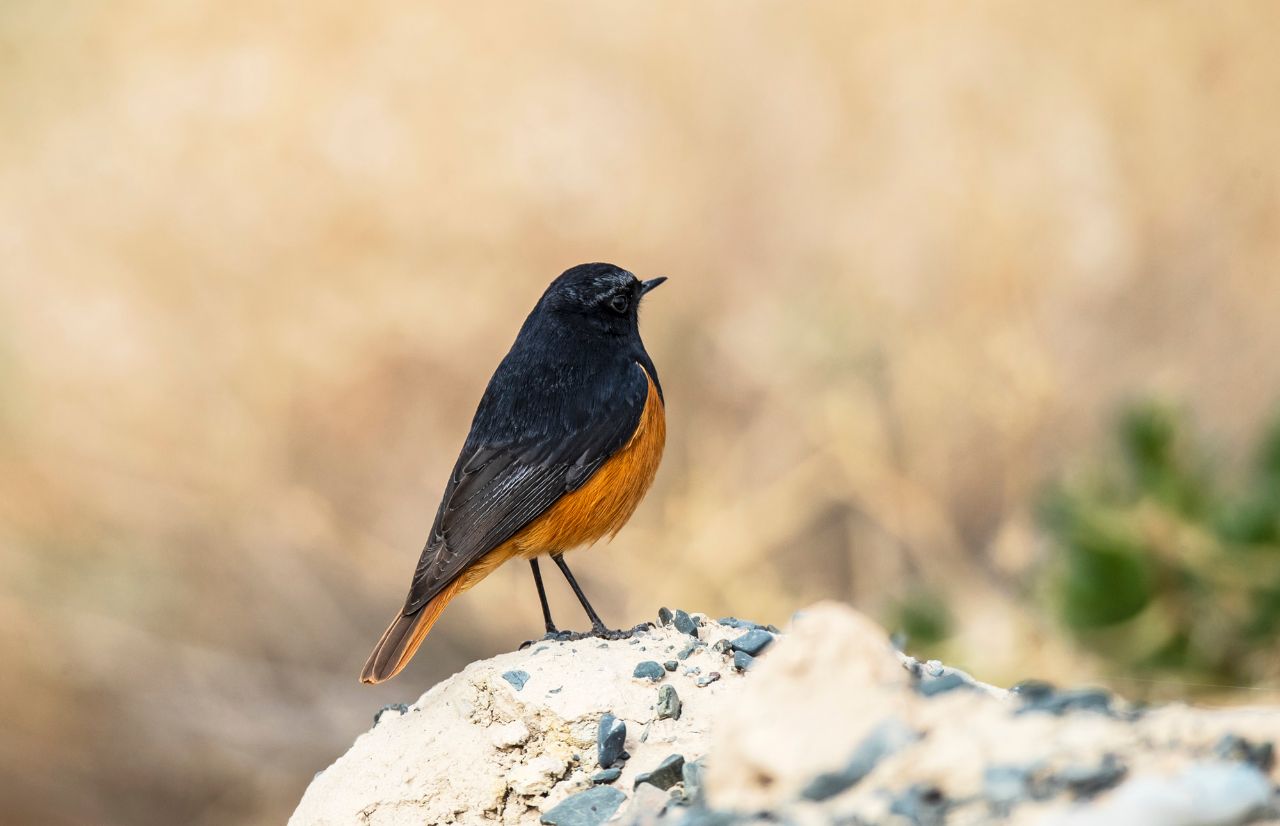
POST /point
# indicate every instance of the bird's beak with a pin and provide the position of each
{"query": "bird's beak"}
(645, 286)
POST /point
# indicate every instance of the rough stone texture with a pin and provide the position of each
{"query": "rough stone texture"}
(475, 749)
(829, 725)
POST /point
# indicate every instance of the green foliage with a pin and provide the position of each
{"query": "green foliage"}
(1161, 564)
(922, 618)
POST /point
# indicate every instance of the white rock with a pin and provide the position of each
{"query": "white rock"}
(1202, 794)
(513, 734)
(474, 749)
(538, 775)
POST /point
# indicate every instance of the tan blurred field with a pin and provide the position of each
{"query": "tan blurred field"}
(258, 260)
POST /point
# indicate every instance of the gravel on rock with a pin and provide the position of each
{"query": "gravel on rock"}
(589, 808)
(668, 773)
(606, 776)
(668, 703)
(648, 670)
(611, 738)
(684, 623)
(885, 739)
(400, 707)
(516, 678)
(753, 642)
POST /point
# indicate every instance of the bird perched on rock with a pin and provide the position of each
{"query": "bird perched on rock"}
(564, 445)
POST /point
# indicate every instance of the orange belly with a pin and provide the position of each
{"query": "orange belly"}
(599, 508)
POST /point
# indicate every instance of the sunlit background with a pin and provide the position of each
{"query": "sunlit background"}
(972, 321)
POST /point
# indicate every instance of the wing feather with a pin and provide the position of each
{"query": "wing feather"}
(501, 485)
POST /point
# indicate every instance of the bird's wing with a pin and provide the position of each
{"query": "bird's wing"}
(495, 490)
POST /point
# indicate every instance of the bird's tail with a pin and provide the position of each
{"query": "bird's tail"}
(404, 635)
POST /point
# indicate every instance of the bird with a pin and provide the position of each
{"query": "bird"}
(565, 443)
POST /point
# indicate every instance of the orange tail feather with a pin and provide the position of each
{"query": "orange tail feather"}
(404, 635)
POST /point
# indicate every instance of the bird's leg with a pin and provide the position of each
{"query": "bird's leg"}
(542, 597)
(597, 626)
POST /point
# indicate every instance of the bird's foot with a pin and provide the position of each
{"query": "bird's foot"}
(553, 635)
(598, 632)
(620, 633)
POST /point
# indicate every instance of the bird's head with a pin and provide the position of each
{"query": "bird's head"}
(600, 296)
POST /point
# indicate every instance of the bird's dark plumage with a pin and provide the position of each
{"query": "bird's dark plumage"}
(569, 396)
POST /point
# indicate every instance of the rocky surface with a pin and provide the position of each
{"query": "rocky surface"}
(702, 722)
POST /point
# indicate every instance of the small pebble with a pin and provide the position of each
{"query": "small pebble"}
(922, 805)
(772, 629)
(703, 682)
(1032, 690)
(1201, 794)
(752, 642)
(691, 775)
(1085, 781)
(884, 740)
(648, 670)
(721, 647)
(693, 671)
(516, 678)
(710, 817)
(684, 623)
(734, 622)
(606, 776)
(687, 650)
(589, 808)
(941, 685)
(668, 773)
(1074, 699)
(400, 707)
(742, 660)
(1004, 787)
(668, 703)
(611, 737)
(671, 665)
(664, 616)
(1233, 747)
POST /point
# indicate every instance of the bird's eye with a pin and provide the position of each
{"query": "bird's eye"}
(619, 303)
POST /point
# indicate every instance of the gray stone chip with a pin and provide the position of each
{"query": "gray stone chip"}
(684, 623)
(668, 703)
(884, 740)
(648, 670)
(516, 678)
(606, 776)
(399, 707)
(611, 738)
(589, 808)
(752, 642)
(668, 773)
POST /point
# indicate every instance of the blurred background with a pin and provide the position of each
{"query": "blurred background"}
(972, 322)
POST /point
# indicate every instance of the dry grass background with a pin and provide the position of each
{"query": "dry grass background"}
(258, 260)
